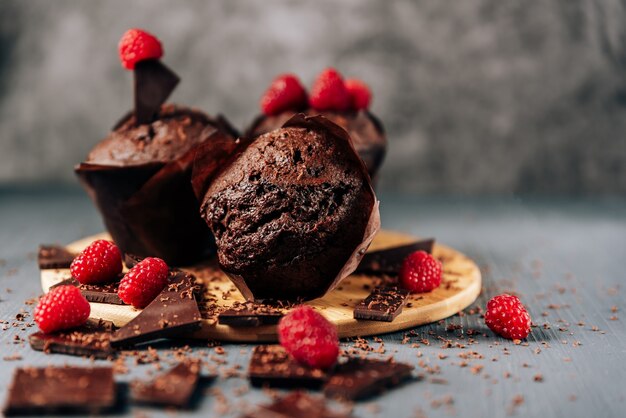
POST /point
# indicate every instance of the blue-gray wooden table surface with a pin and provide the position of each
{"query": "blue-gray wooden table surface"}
(565, 258)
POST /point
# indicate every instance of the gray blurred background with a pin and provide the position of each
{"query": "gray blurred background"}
(478, 96)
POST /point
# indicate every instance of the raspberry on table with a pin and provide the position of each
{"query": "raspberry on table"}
(138, 45)
(420, 272)
(143, 282)
(359, 93)
(100, 262)
(309, 337)
(329, 92)
(285, 93)
(63, 307)
(507, 317)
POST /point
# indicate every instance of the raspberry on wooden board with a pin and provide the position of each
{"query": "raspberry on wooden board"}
(63, 307)
(420, 272)
(100, 262)
(143, 282)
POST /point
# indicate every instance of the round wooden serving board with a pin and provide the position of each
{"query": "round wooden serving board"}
(460, 287)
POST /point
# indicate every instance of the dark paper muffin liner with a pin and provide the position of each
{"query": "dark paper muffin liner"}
(150, 209)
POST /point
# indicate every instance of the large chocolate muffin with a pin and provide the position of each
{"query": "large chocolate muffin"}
(140, 178)
(292, 212)
(366, 131)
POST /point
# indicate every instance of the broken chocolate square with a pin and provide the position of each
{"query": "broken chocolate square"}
(36, 391)
(131, 260)
(271, 365)
(172, 313)
(90, 340)
(173, 388)
(99, 293)
(383, 304)
(362, 378)
(54, 257)
(249, 314)
(154, 82)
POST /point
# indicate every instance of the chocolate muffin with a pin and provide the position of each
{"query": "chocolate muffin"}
(366, 131)
(140, 179)
(292, 212)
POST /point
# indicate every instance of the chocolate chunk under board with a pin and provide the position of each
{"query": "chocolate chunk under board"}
(389, 260)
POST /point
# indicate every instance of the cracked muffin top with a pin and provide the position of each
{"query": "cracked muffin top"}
(174, 132)
(366, 132)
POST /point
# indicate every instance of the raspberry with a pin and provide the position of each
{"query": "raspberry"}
(420, 272)
(329, 92)
(138, 45)
(285, 93)
(360, 94)
(507, 317)
(61, 308)
(100, 262)
(143, 282)
(309, 337)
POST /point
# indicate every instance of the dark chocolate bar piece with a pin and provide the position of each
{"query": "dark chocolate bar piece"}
(172, 388)
(99, 293)
(154, 83)
(173, 312)
(389, 260)
(271, 365)
(296, 405)
(131, 260)
(249, 314)
(48, 390)
(90, 340)
(54, 257)
(361, 378)
(383, 304)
